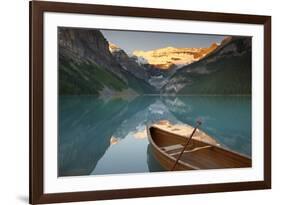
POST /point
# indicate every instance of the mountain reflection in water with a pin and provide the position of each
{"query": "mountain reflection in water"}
(98, 136)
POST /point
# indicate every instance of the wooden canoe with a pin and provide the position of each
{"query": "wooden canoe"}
(166, 147)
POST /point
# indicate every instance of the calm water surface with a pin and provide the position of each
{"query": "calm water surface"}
(107, 136)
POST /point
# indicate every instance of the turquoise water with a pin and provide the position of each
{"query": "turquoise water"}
(88, 125)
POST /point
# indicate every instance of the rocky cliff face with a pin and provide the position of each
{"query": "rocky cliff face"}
(170, 57)
(227, 70)
(128, 63)
(87, 66)
(87, 45)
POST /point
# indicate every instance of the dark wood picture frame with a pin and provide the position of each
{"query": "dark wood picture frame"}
(37, 9)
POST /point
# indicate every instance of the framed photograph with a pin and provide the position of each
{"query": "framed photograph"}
(137, 102)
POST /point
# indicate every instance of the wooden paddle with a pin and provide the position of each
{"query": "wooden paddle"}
(189, 139)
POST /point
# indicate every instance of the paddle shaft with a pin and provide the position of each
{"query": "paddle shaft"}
(189, 139)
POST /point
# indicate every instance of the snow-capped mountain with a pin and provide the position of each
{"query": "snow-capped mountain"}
(171, 57)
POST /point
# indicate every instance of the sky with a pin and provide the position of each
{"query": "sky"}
(137, 40)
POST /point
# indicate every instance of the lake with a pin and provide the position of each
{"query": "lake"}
(107, 136)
